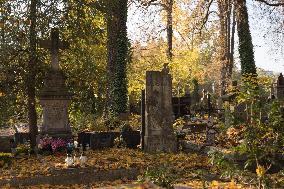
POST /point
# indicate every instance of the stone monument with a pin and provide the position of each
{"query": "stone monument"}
(159, 133)
(54, 97)
(280, 87)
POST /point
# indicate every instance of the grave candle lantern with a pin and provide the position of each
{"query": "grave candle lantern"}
(75, 144)
(87, 147)
(69, 160)
(69, 148)
(83, 160)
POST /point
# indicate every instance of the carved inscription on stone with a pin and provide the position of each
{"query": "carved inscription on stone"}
(159, 134)
(55, 115)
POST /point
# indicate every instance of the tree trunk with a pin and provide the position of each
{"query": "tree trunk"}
(232, 43)
(169, 10)
(224, 44)
(117, 49)
(245, 39)
(32, 115)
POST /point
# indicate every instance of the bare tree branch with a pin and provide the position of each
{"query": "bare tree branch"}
(208, 12)
(271, 4)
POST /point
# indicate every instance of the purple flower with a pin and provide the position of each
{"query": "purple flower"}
(53, 143)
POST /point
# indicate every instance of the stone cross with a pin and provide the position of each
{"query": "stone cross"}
(54, 44)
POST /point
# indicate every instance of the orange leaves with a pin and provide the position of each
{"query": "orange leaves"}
(108, 159)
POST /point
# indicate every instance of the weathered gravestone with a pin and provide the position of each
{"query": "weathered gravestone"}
(181, 105)
(159, 134)
(280, 87)
(54, 96)
(5, 143)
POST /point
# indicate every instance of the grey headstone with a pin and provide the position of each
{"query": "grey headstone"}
(159, 133)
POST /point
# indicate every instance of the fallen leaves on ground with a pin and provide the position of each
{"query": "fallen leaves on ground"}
(107, 159)
(188, 166)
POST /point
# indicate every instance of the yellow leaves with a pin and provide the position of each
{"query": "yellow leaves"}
(7, 186)
(109, 159)
(230, 185)
(260, 171)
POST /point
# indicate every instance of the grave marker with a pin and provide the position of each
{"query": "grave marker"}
(159, 134)
(54, 97)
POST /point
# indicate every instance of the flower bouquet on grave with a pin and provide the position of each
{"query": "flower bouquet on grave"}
(44, 145)
(49, 145)
(58, 145)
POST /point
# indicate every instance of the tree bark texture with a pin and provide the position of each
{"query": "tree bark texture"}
(169, 10)
(225, 54)
(31, 75)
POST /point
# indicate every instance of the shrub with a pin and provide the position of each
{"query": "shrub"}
(23, 149)
(262, 140)
(5, 159)
(163, 176)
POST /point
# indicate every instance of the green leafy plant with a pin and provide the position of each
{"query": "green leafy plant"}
(5, 159)
(228, 168)
(262, 135)
(23, 149)
(163, 176)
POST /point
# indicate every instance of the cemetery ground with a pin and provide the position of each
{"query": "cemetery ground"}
(164, 169)
(133, 168)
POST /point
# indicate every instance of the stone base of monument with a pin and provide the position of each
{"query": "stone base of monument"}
(160, 143)
(63, 135)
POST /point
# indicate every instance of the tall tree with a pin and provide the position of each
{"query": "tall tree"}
(226, 41)
(117, 50)
(169, 11)
(31, 75)
(245, 40)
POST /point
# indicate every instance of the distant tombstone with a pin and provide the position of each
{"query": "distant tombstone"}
(187, 91)
(195, 93)
(159, 133)
(210, 122)
(181, 105)
(54, 97)
(204, 99)
(210, 136)
(5, 144)
(280, 87)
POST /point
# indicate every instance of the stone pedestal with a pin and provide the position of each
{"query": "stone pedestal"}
(55, 100)
(159, 133)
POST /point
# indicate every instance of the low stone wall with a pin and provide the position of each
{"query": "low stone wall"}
(73, 176)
